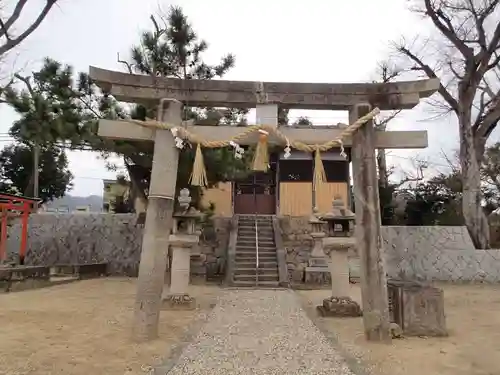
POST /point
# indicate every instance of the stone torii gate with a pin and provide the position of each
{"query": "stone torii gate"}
(359, 99)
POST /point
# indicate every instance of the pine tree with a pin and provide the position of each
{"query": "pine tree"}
(172, 49)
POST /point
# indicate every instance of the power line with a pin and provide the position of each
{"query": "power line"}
(88, 149)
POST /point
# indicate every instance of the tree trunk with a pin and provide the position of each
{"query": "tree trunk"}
(383, 176)
(480, 144)
(382, 168)
(138, 190)
(474, 216)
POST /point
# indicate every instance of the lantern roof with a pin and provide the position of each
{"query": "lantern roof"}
(339, 212)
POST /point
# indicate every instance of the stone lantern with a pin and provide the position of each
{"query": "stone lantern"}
(316, 272)
(340, 230)
(183, 240)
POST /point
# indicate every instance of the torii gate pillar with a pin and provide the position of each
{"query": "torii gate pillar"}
(368, 237)
(158, 225)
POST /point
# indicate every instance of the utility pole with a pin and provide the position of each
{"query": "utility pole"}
(36, 174)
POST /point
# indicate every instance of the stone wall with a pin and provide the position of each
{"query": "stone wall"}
(428, 253)
(438, 253)
(114, 238)
(425, 253)
(495, 232)
(298, 243)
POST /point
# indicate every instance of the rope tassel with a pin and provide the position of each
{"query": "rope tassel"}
(261, 157)
(319, 169)
(199, 173)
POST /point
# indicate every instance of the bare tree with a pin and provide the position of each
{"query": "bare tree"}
(467, 62)
(8, 40)
(386, 72)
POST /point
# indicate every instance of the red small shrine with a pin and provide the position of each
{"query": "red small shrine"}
(15, 206)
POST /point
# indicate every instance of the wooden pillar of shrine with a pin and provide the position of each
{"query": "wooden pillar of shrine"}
(368, 236)
(158, 225)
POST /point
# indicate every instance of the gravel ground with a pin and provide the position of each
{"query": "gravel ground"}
(83, 328)
(260, 332)
(472, 348)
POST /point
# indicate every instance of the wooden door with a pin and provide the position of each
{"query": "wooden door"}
(256, 194)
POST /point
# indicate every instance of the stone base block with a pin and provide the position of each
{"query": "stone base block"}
(339, 307)
(417, 308)
(317, 276)
(318, 262)
(178, 302)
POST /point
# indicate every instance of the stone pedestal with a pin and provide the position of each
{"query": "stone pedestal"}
(317, 272)
(339, 271)
(418, 309)
(178, 296)
(340, 304)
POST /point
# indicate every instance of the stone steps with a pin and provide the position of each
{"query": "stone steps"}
(273, 271)
(267, 236)
(251, 244)
(262, 248)
(252, 239)
(251, 264)
(251, 226)
(262, 252)
(252, 258)
(245, 274)
(260, 239)
(248, 242)
(251, 232)
(259, 284)
(253, 249)
(250, 277)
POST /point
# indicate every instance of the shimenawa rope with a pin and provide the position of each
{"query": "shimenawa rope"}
(198, 176)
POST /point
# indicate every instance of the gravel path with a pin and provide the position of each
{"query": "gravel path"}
(259, 332)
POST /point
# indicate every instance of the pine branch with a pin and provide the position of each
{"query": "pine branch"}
(26, 81)
(127, 64)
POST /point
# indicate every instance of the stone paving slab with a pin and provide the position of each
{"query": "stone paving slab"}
(260, 332)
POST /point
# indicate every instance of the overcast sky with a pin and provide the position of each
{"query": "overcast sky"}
(279, 40)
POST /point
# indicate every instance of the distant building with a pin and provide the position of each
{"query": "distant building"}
(82, 209)
(114, 189)
(53, 210)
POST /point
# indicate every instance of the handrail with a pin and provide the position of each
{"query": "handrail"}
(231, 250)
(256, 252)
